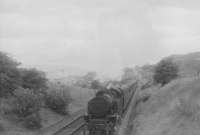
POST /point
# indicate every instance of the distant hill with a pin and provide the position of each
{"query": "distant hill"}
(189, 64)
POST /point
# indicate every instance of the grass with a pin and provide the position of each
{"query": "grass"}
(187, 110)
(172, 109)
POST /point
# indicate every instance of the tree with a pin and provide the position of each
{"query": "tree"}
(9, 75)
(165, 71)
(12, 77)
(127, 74)
(95, 84)
(33, 79)
(90, 76)
(130, 75)
(58, 98)
(86, 80)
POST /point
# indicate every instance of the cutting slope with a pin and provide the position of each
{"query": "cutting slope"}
(173, 110)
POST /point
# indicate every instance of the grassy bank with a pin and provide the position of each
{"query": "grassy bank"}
(173, 109)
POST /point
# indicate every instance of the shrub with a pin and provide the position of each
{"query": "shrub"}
(165, 71)
(25, 103)
(57, 101)
(23, 107)
(32, 122)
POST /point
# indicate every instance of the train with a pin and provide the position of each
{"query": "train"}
(106, 109)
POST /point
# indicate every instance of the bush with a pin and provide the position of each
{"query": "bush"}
(32, 122)
(23, 107)
(57, 101)
(165, 71)
(25, 103)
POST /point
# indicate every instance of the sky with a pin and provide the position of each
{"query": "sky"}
(76, 36)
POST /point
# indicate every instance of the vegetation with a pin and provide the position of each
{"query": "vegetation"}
(33, 122)
(188, 110)
(165, 71)
(9, 75)
(28, 90)
(25, 105)
(86, 80)
(96, 85)
(12, 77)
(172, 109)
(58, 100)
(22, 90)
(25, 102)
(129, 74)
(33, 79)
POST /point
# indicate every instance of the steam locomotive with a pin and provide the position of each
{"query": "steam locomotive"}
(105, 110)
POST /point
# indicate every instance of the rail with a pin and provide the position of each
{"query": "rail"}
(54, 128)
(127, 106)
(75, 127)
(80, 129)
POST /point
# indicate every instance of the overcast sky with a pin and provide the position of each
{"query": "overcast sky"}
(97, 35)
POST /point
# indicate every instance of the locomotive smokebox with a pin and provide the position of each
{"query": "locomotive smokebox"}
(100, 106)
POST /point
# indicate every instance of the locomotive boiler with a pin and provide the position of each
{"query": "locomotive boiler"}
(105, 110)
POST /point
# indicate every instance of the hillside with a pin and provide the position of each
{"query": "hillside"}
(174, 108)
(171, 110)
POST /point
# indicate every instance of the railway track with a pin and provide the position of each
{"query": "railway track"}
(71, 128)
(77, 125)
(56, 127)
